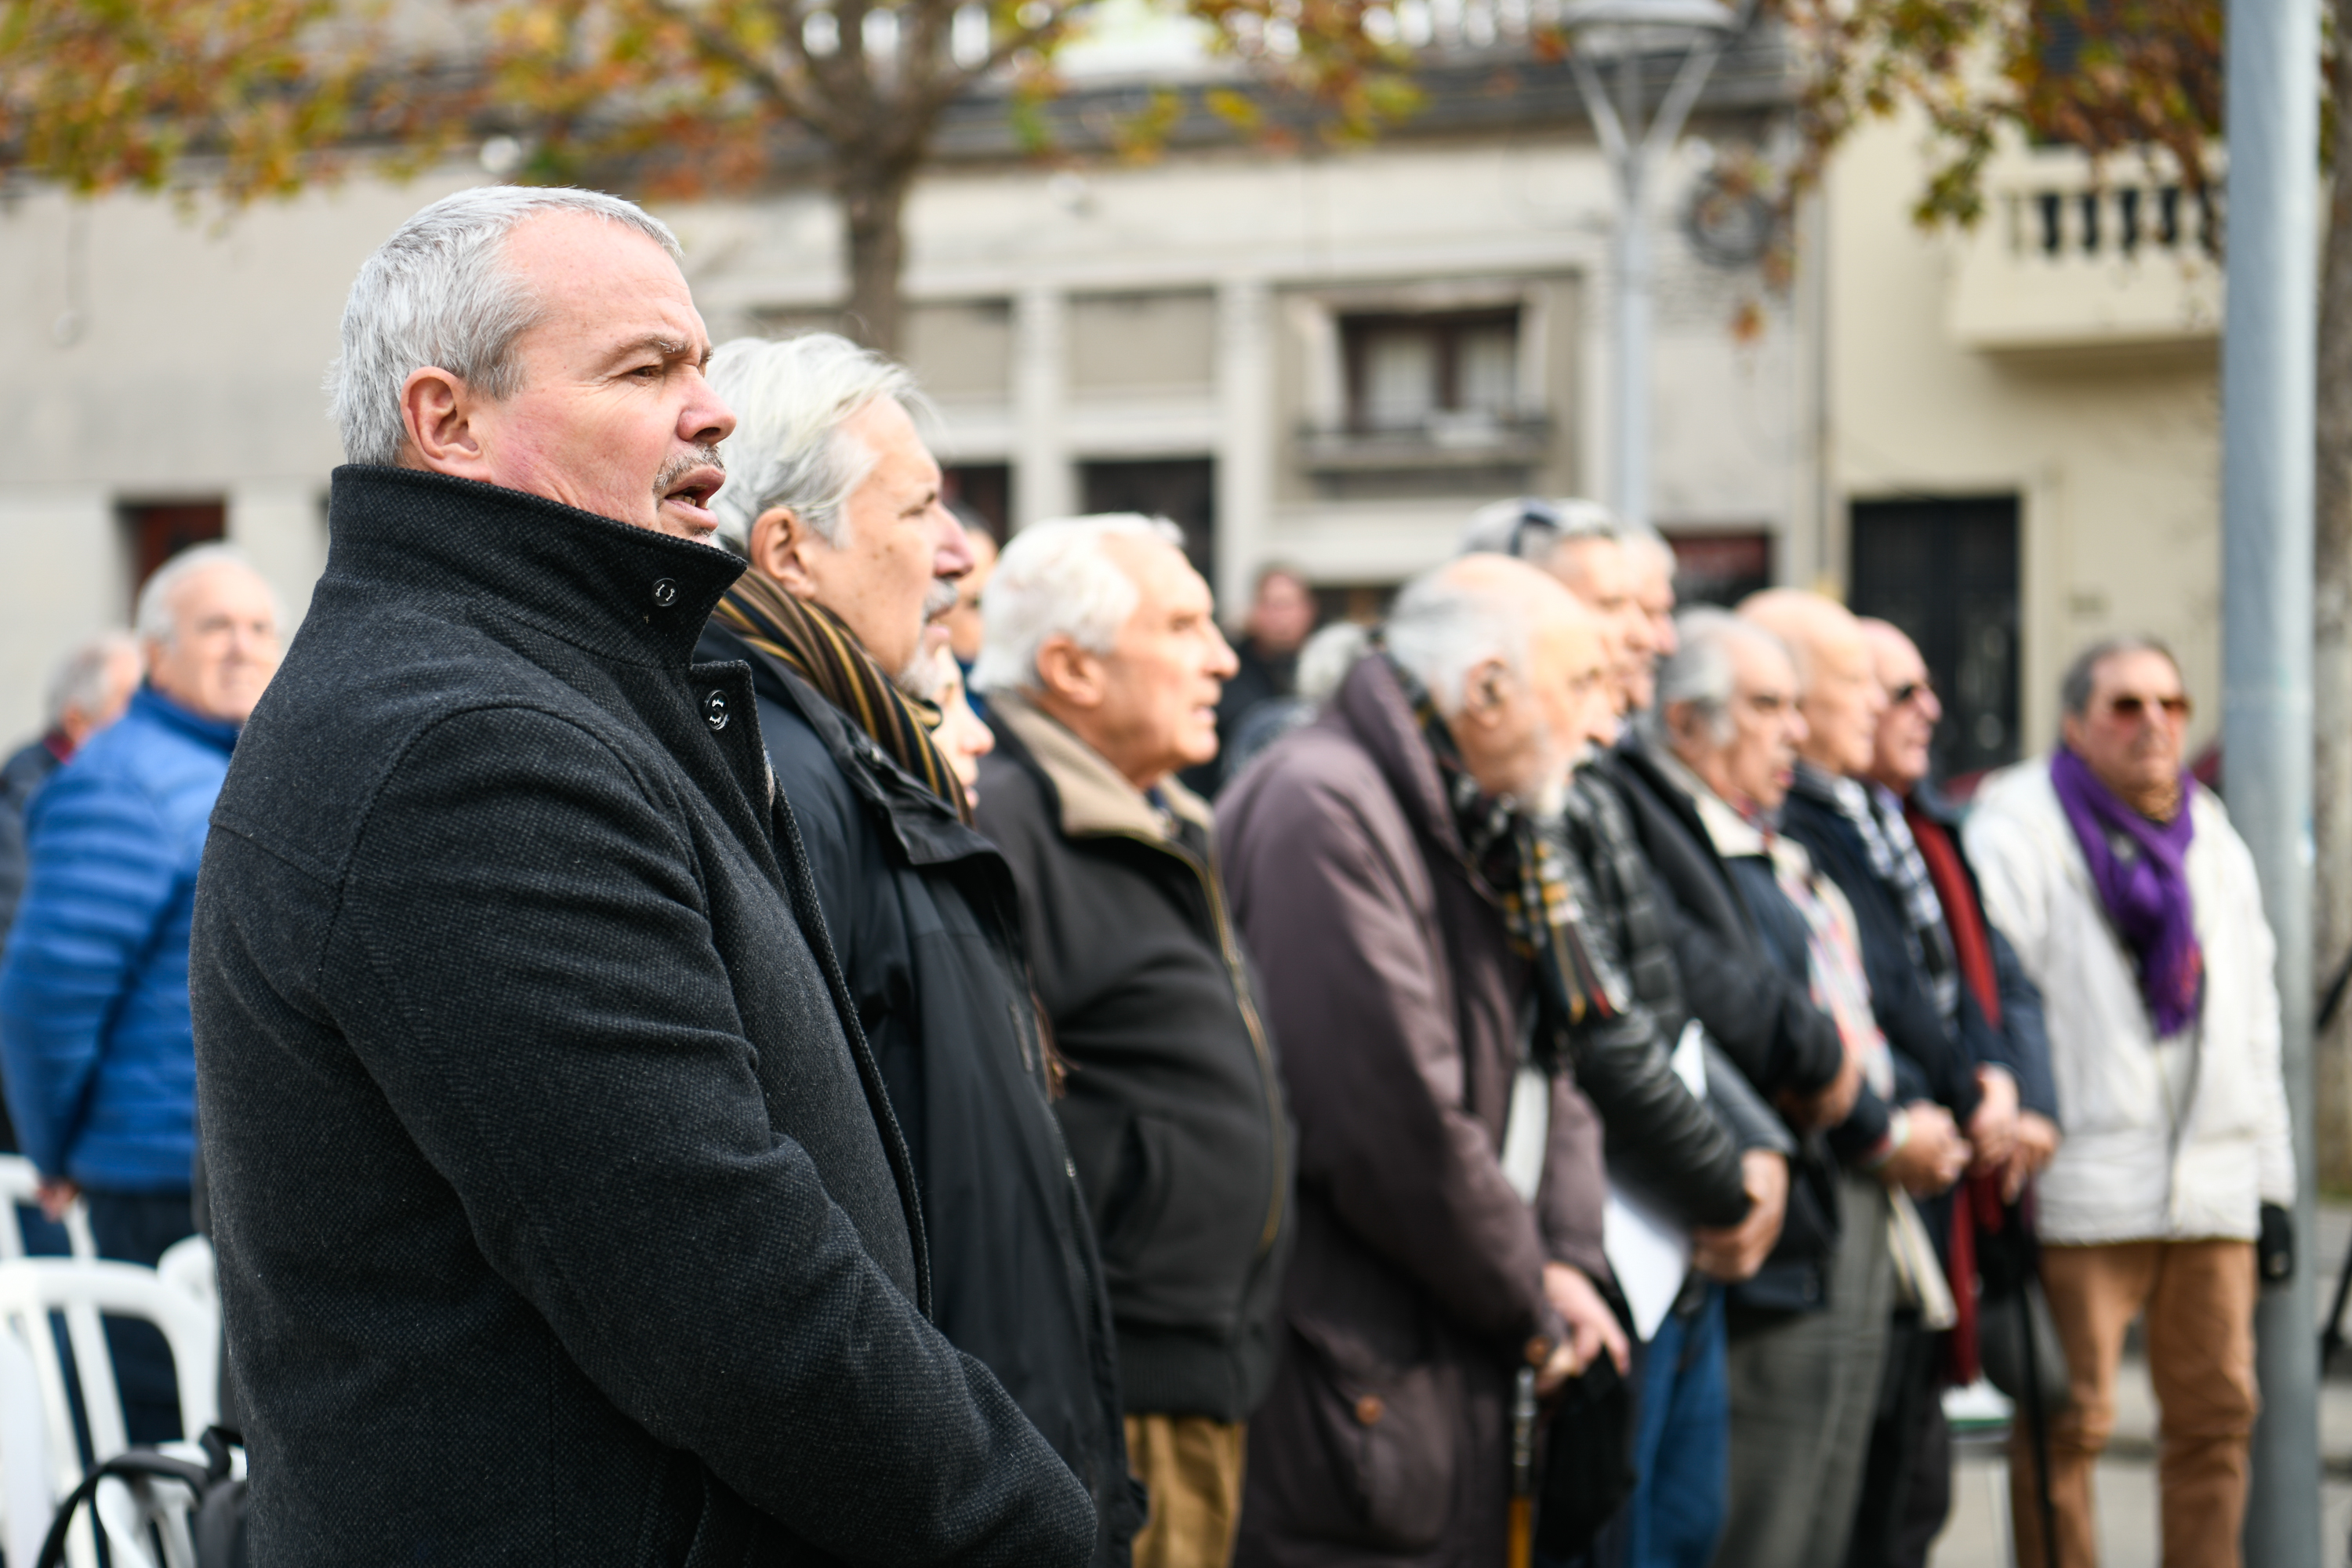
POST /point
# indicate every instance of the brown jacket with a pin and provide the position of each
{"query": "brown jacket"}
(1417, 1284)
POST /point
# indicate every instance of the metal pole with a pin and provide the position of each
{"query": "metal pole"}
(1631, 464)
(2267, 384)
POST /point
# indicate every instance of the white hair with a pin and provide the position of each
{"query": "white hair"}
(1054, 579)
(1702, 674)
(1530, 528)
(1325, 658)
(791, 398)
(439, 292)
(155, 619)
(78, 683)
(1439, 630)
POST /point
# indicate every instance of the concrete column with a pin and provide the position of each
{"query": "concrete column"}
(1043, 484)
(1245, 437)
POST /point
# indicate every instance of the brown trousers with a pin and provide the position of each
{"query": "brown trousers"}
(1193, 1466)
(2199, 1298)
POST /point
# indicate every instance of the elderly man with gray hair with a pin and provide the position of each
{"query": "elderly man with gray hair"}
(836, 503)
(94, 1022)
(1422, 964)
(560, 1211)
(1103, 664)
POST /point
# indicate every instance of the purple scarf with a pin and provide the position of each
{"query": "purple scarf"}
(2145, 887)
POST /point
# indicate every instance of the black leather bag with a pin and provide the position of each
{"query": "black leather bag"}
(1589, 1466)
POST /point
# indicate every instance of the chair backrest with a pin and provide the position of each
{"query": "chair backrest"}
(31, 1288)
(20, 1187)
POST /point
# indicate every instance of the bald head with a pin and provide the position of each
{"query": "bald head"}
(1837, 677)
(1907, 728)
(1514, 664)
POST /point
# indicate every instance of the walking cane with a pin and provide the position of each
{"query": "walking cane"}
(1522, 1551)
(2037, 1431)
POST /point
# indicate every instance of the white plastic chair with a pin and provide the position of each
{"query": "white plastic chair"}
(81, 1291)
(20, 1186)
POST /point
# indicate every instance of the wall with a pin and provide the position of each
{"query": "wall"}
(2113, 447)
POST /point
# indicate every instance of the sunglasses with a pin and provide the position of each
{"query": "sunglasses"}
(1909, 691)
(2133, 708)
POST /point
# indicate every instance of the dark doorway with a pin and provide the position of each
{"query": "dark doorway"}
(1720, 568)
(984, 488)
(161, 530)
(1181, 490)
(1946, 572)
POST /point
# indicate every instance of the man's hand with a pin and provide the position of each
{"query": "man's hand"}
(1932, 1158)
(1827, 1106)
(1733, 1253)
(1992, 1131)
(2037, 1142)
(56, 1194)
(1592, 1328)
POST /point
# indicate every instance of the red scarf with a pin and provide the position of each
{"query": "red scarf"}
(1976, 1205)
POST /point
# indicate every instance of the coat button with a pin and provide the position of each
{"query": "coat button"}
(714, 710)
(1368, 1409)
(664, 593)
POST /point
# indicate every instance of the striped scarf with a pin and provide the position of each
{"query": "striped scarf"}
(1526, 862)
(813, 643)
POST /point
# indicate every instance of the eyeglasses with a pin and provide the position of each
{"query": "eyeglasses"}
(2133, 708)
(1909, 690)
(1537, 517)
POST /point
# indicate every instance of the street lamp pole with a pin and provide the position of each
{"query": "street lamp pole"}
(1618, 34)
(2268, 381)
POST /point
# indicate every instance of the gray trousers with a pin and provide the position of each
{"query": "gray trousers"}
(1804, 1394)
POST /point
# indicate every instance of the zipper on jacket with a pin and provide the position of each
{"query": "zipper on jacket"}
(1231, 952)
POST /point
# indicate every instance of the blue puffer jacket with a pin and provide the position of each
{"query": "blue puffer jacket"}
(94, 1036)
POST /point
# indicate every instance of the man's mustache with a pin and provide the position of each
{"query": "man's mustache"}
(685, 463)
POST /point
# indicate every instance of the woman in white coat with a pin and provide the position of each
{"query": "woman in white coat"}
(2135, 907)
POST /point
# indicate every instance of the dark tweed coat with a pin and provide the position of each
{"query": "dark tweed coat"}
(559, 1219)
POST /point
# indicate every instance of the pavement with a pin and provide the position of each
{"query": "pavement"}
(1977, 1535)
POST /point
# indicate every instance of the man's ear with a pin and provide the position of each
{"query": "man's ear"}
(436, 412)
(1069, 674)
(2070, 730)
(779, 547)
(1482, 692)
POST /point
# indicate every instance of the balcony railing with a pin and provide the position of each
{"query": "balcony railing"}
(2065, 260)
(1442, 440)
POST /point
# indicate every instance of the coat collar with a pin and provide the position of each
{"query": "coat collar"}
(157, 708)
(621, 593)
(1096, 798)
(1373, 706)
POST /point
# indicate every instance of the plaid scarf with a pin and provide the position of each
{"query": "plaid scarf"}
(814, 643)
(1525, 861)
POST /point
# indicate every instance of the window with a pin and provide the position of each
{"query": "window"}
(1181, 490)
(1720, 568)
(161, 530)
(1430, 371)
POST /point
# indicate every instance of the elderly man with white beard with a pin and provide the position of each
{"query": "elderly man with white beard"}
(1412, 923)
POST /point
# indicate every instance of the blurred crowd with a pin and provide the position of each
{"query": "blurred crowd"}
(1539, 1079)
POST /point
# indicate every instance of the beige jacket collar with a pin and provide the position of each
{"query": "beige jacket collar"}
(1096, 799)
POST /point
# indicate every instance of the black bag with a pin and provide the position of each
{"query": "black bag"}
(1589, 1470)
(220, 1500)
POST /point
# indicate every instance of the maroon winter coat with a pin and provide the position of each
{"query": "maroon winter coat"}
(1417, 1283)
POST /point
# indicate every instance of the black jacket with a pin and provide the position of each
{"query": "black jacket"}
(1172, 1108)
(927, 922)
(1661, 1137)
(1764, 1021)
(559, 1212)
(1930, 1063)
(1629, 926)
